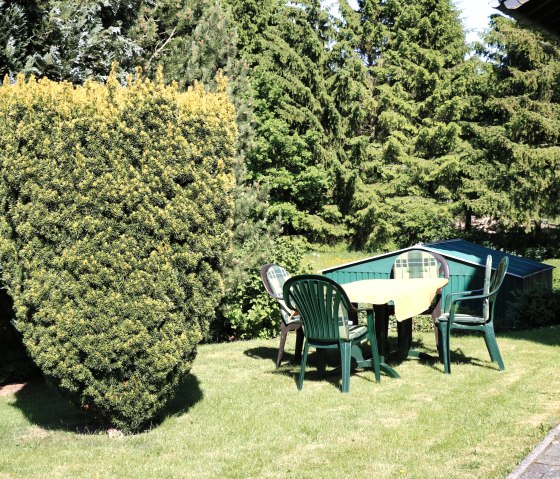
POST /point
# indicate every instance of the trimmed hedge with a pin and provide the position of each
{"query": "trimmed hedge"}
(116, 218)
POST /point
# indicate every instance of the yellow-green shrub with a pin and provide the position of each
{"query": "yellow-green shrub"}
(115, 219)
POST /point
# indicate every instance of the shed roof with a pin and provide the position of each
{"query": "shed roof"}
(544, 14)
(475, 254)
(470, 253)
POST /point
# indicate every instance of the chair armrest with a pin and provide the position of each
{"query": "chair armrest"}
(457, 293)
(455, 303)
(290, 312)
(468, 298)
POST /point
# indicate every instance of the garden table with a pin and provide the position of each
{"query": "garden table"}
(410, 297)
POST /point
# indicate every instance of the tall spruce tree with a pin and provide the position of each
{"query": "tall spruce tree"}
(17, 20)
(285, 44)
(516, 132)
(351, 91)
(66, 40)
(413, 50)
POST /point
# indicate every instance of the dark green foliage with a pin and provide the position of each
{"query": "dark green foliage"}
(191, 39)
(535, 308)
(515, 132)
(350, 88)
(286, 47)
(15, 364)
(67, 40)
(17, 20)
(248, 311)
(116, 222)
(412, 50)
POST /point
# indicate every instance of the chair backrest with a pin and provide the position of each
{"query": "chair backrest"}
(322, 305)
(486, 288)
(418, 263)
(499, 275)
(495, 283)
(273, 278)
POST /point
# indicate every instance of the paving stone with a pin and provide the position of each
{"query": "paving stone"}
(553, 473)
(543, 462)
(551, 455)
(535, 471)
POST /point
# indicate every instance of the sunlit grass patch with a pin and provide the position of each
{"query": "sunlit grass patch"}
(239, 416)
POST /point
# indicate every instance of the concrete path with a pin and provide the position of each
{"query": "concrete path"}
(543, 462)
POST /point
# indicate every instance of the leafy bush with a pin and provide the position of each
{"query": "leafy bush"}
(248, 311)
(535, 308)
(116, 218)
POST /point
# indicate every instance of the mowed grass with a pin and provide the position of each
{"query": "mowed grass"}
(237, 416)
(326, 257)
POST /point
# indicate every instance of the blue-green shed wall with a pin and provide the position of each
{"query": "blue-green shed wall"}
(462, 277)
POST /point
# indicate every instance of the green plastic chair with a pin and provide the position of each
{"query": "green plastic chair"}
(273, 278)
(484, 323)
(324, 309)
(417, 263)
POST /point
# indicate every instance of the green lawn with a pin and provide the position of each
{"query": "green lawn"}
(239, 417)
(325, 257)
(555, 272)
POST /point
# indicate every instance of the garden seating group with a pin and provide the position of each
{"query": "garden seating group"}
(321, 313)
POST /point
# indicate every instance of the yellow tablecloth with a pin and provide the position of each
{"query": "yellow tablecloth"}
(411, 297)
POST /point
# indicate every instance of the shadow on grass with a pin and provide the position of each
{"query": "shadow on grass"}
(44, 406)
(431, 357)
(263, 352)
(322, 364)
(547, 335)
(187, 395)
(268, 353)
(458, 357)
(457, 354)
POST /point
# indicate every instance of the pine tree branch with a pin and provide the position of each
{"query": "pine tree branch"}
(160, 49)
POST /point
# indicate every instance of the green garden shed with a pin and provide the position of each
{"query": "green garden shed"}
(466, 262)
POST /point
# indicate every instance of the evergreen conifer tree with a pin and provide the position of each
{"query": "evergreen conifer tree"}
(74, 41)
(516, 134)
(17, 20)
(297, 120)
(413, 50)
(351, 91)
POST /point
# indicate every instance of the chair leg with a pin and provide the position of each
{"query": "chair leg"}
(375, 356)
(345, 358)
(404, 337)
(436, 313)
(439, 341)
(492, 346)
(299, 343)
(321, 362)
(283, 335)
(443, 343)
(303, 364)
